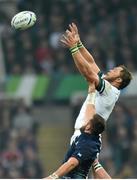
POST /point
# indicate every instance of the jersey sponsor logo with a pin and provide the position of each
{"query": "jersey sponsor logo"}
(76, 143)
(79, 154)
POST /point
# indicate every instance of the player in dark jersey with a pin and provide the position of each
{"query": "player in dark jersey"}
(84, 149)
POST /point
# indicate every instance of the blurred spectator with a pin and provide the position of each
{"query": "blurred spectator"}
(26, 139)
(2, 172)
(23, 119)
(14, 173)
(32, 167)
(11, 156)
(18, 145)
(44, 57)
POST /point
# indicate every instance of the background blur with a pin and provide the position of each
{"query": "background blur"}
(41, 90)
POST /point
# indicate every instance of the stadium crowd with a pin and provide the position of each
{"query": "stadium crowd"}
(108, 29)
(120, 143)
(18, 145)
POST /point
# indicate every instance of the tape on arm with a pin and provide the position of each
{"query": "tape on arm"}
(91, 98)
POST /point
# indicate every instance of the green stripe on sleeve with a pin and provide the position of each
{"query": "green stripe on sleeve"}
(101, 85)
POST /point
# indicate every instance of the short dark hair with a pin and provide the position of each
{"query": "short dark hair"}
(98, 124)
(126, 77)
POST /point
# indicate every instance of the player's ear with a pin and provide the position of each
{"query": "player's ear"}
(119, 80)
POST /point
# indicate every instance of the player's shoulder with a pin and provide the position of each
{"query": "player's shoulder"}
(105, 87)
(111, 93)
(90, 143)
(110, 87)
(88, 139)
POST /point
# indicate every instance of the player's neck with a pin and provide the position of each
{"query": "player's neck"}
(87, 131)
(115, 84)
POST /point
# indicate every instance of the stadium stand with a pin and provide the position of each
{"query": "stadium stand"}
(38, 68)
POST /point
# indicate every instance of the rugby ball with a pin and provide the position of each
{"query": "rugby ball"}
(23, 20)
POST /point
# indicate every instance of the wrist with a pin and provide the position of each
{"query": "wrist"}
(54, 176)
(80, 45)
(74, 49)
(97, 166)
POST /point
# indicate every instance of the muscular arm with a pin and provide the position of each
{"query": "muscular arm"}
(65, 168)
(100, 174)
(84, 52)
(85, 68)
(98, 171)
(89, 58)
(90, 111)
(89, 107)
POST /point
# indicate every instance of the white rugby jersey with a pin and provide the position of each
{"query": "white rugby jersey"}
(105, 100)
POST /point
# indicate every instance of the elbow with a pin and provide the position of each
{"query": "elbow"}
(88, 74)
(90, 79)
(73, 162)
(73, 165)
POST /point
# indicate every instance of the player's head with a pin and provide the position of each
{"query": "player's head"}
(97, 124)
(120, 75)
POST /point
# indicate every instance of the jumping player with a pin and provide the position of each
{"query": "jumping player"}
(108, 86)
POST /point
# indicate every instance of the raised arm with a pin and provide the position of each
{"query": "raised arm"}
(84, 52)
(83, 66)
(90, 105)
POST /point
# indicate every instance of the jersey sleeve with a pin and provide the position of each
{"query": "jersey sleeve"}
(101, 86)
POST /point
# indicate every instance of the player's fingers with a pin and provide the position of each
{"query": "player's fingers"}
(64, 37)
(66, 40)
(71, 29)
(75, 27)
(68, 33)
(63, 42)
(72, 24)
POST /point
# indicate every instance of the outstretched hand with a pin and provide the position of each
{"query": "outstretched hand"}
(74, 30)
(71, 37)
